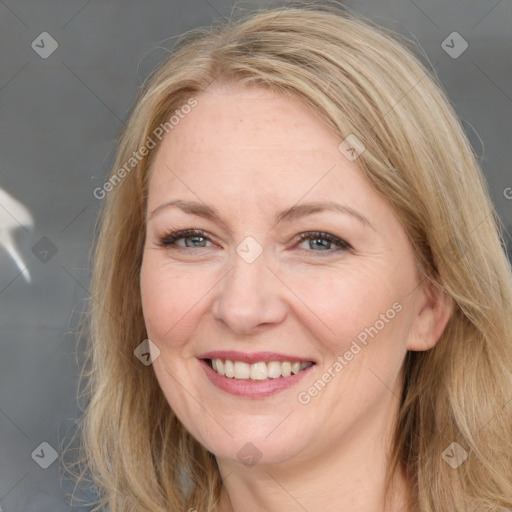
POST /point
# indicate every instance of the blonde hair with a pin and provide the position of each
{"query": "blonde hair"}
(363, 81)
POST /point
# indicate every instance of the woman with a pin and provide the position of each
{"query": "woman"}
(301, 301)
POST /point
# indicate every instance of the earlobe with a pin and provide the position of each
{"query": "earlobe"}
(432, 318)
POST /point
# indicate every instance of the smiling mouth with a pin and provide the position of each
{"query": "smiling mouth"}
(260, 371)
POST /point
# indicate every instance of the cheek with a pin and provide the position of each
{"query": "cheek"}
(171, 300)
(361, 319)
(349, 305)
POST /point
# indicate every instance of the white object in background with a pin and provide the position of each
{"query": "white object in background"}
(13, 215)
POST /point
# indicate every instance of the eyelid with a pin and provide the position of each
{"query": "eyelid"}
(311, 235)
(169, 240)
(172, 236)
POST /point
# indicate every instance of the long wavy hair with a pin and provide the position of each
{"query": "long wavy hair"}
(362, 80)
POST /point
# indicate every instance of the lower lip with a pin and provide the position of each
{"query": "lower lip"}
(252, 388)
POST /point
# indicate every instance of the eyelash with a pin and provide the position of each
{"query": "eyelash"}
(169, 240)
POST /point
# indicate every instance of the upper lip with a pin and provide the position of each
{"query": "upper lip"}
(255, 357)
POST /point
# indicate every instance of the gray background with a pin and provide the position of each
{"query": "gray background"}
(59, 120)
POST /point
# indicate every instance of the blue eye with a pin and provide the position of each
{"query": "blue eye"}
(323, 241)
(192, 237)
(196, 239)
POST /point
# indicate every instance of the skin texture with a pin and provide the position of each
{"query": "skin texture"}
(251, 154)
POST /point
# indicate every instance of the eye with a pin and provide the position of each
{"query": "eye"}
(317, 241)
(192, 238)
(323, 242)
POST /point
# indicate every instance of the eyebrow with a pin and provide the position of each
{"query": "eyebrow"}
(293, 213)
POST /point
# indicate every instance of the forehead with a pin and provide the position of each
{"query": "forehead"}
(252, 137)
(253, 115)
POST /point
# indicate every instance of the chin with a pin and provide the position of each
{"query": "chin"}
(259, 444)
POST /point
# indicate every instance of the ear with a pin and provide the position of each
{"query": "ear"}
(433, 311)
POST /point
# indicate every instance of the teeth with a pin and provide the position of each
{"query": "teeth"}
(274, 369)
(229, 369)
(258, 371)
(242, 370)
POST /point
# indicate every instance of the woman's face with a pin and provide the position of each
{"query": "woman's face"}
(251, 171)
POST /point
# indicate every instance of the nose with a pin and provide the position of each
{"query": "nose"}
(249, 297)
